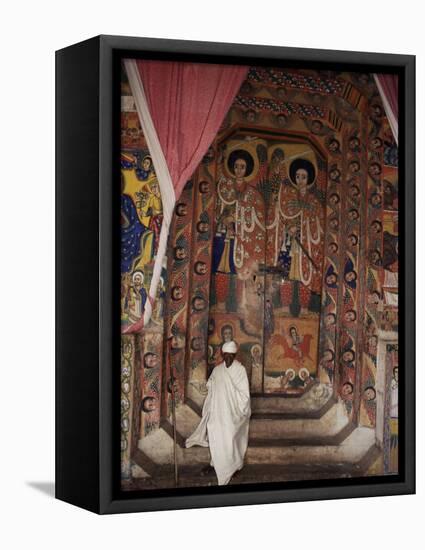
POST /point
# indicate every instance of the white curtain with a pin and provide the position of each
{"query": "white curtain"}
(164, 180)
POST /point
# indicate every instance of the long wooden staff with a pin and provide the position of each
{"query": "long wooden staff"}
(306, 253)
(173, 414)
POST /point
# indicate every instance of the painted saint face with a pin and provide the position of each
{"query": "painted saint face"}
(227, 334)
(251, 116)
(138, 280)
(348, 356)
(301, 178)
(281, 120)
(177, 293)
(350, 316)
(354, 166)
(376, 143)
(395, 373)
(375, 257)
(335, 174)
(374, 169)
(316, 126)
(293, 333)
(256, 353)
(334, 199)
(151, 360)
(374, 298)
(197, 343)
(204, 187)
(354, 144)
(239, 168)
(149, 404)
(350, 276)
(372, 343)
(333, 223)
(155, 189)
(199, 303)
(388, 189)
(375, 199)
(369, 394)
(304, 374)
(200, 268)
(352, 240)
(330, 320)
(347, 389)
(353, 215)
(146, 164)
(354, 192)
(331, 279)
(180, 253)
(177, 341)
(203, 227)
(333, 248)
(181, 209)
(376, 226)
(334, 146)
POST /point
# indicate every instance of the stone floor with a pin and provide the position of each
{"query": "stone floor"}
(192, 477)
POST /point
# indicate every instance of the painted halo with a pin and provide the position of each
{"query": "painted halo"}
(306, 165)
(256, 347)
(240, 154)
(138, 272)
(149, 158)
(303, 370)
(291, 374)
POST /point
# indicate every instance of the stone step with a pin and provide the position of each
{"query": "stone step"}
(158, 447)
(313, 404)
(331, 428)
(278, 426)
(350, 451)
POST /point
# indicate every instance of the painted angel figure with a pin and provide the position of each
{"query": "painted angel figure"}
(239, 239)
(136, 297)
(300, 215)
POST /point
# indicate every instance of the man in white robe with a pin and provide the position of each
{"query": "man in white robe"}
(225, 416)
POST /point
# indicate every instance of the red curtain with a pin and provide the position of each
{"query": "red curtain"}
(187, 103)
(388, 88)
(389, 83)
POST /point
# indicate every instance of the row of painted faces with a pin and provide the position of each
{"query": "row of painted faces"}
(369, 392)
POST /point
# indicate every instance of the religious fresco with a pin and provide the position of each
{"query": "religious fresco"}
(284, 241)
(141, 219)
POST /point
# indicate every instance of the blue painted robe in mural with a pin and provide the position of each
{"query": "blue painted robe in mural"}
(131, 231)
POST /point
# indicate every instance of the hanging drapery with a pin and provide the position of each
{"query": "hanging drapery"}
(181, 107)
(388, 88)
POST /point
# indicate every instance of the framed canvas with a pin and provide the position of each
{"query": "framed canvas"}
(235, 274)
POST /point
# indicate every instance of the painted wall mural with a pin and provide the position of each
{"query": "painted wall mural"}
(284, 240)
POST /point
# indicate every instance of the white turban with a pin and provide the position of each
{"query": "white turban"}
(229, 347)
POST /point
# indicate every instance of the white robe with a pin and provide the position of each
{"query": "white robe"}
(225, 420)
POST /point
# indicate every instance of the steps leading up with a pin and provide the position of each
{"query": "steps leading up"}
(279, 426)
(158, 448)
(331, 428)
(312, 404)
(351, 450)
(310, 436)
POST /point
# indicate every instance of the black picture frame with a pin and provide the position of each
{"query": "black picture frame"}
(87, 327)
